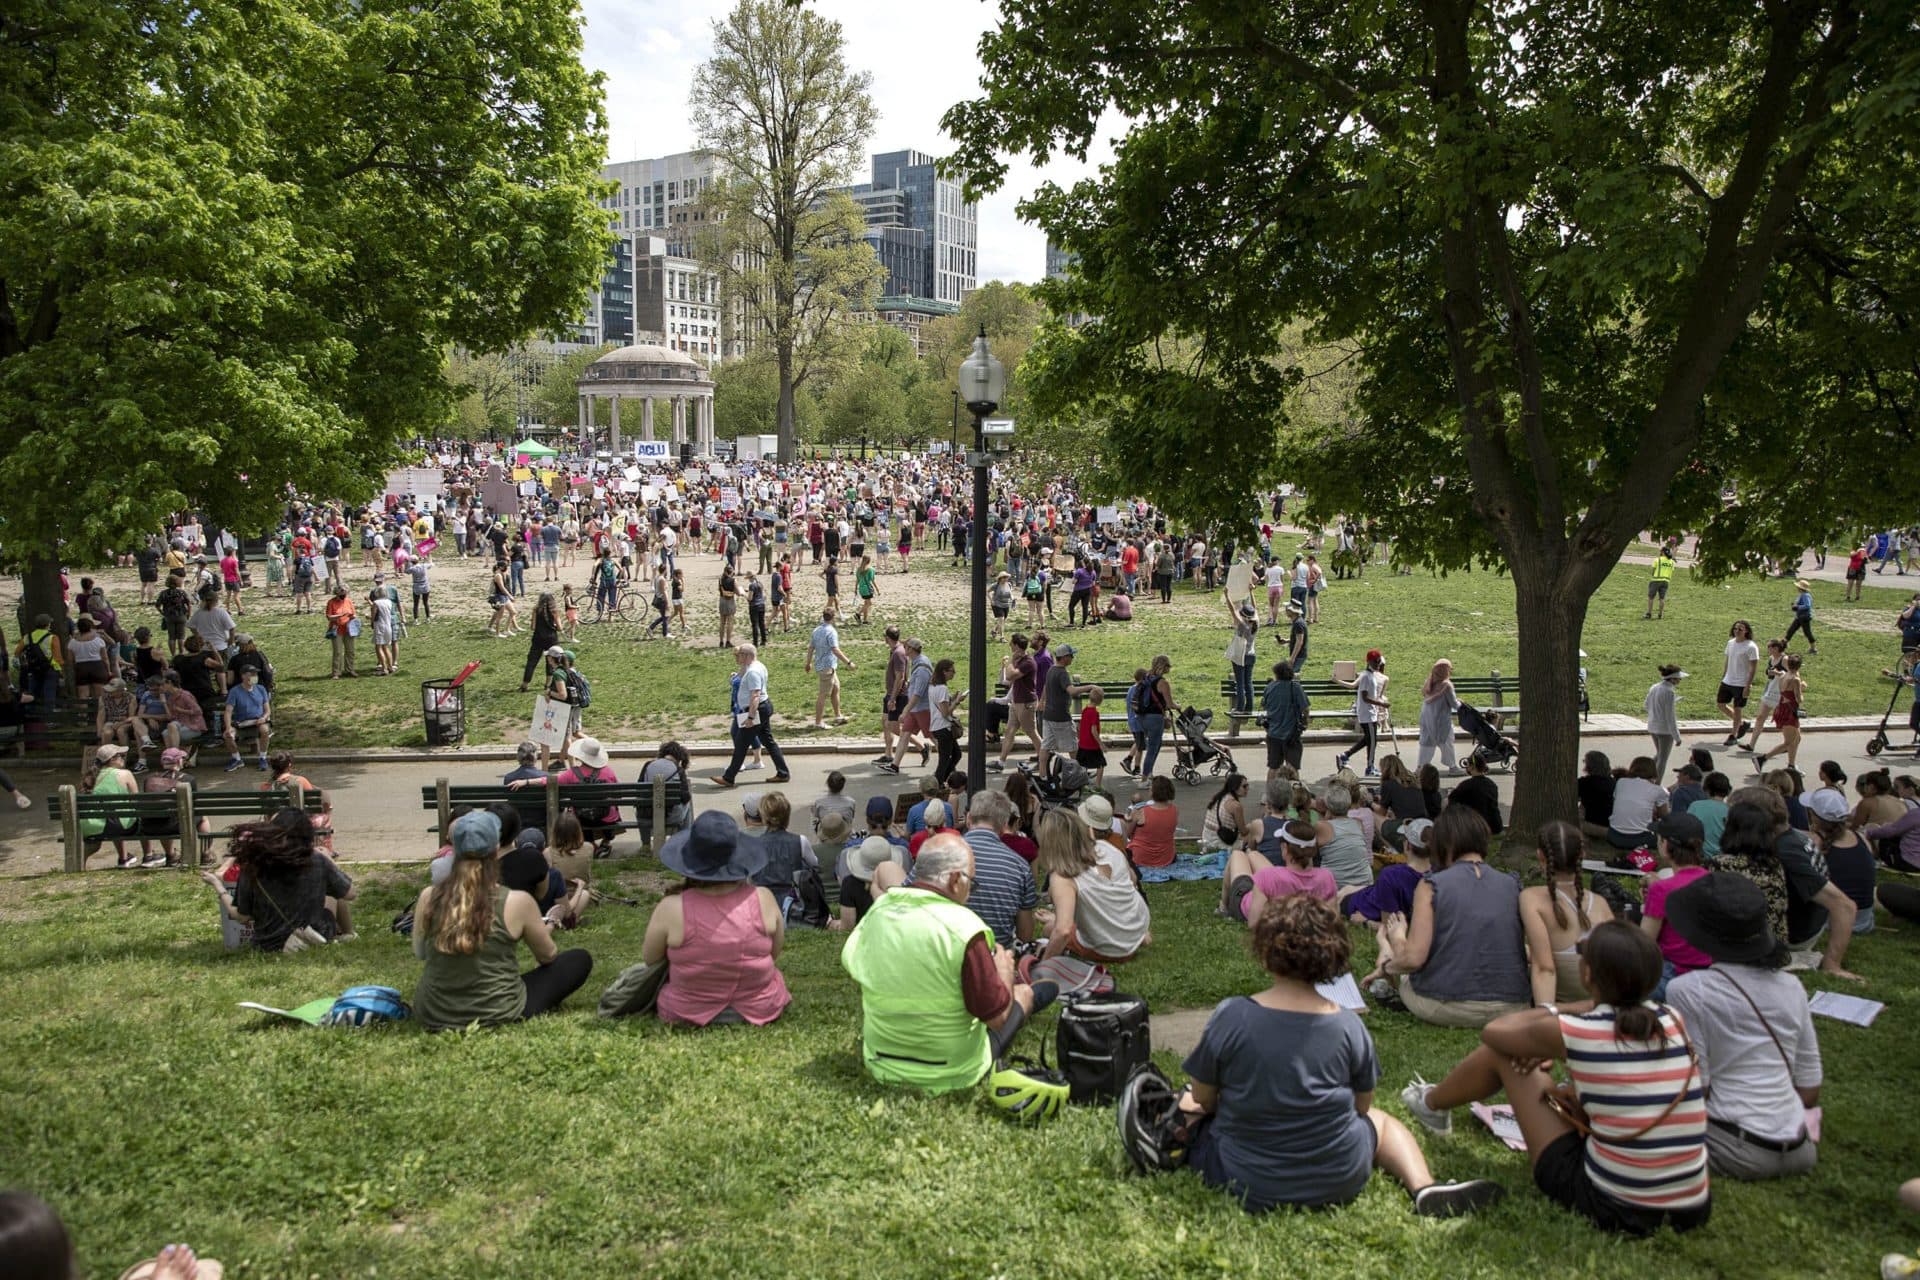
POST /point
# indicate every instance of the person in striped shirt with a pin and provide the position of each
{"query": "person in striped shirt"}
(1637, 1159)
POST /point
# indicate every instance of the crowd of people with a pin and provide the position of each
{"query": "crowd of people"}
(975, 908)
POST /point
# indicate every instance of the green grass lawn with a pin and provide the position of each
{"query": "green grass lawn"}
(148, 1109)
(644, 691)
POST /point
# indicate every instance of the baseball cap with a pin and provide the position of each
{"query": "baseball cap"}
(750, 805)
(1064, 651)
(1415, 832)
(556, 652)
(1828, 805)
(1373, 655)
(241, 637)
(1689, 770)
(1683, 827)
(172, 756)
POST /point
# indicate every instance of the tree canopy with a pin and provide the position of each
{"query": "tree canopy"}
(1594, 264)
(235, 239)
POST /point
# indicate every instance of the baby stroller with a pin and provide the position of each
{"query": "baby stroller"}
(1063, 784)
(1194, 748)
(1488, 746)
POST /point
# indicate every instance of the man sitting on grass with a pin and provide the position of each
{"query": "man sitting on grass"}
(939, 1002)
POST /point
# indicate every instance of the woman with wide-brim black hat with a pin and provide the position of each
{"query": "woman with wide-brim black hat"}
(1749, 1021)
(721, 935)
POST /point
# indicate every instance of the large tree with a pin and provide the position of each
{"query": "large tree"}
(786, 123)
(556, 396)
(1595, 262)
(486, 389)
(235, 239)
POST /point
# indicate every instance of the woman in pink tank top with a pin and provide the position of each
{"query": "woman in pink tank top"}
(721, 935)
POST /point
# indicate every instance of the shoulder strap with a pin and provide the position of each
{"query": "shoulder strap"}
(1764, 1024)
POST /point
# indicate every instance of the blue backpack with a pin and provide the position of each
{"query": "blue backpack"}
(365, 1006)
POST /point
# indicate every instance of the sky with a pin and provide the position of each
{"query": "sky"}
(920, 53)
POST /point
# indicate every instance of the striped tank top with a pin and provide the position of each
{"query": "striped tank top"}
(1625, 1086)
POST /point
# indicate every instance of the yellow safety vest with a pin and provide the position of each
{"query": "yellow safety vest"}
(1663, 568)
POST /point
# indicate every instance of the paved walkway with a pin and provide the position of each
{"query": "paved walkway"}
(378, 814)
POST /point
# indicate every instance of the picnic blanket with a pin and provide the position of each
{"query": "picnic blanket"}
(1188, 866)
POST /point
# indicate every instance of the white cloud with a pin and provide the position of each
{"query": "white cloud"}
(921, 56)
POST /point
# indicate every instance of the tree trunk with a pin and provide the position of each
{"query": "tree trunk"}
(40, 594)
(783, 422)
(1551, 615)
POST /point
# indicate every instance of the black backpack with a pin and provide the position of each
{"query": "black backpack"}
(1099, 1042)
(34, 662)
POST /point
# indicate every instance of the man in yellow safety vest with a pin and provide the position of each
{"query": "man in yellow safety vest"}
(1657, 586)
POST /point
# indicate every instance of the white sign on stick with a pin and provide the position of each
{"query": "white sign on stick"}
(549, 727)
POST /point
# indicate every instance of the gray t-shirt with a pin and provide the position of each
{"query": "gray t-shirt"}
(1285, 1131)
(1751, 1082)
(919, 680)
(1056, 704)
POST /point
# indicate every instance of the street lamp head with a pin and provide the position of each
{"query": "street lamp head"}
(983, 382)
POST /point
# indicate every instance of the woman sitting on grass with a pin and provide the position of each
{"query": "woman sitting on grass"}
(468, 929)
(1558, 915)
(1349, 854)
(1252, 879)
(1637, 1159)
(285, 888)
(1278, 1108)
(720, 934)
(1463, 953)
(1099, 916)
(1151, 821)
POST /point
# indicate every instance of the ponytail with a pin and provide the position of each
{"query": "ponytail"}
(1562, 845)
(1622, 968)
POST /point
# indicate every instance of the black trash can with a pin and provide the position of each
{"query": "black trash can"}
(444, 706)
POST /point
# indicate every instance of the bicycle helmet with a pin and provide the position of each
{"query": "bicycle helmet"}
(1151, 1132)
(1027, 1093)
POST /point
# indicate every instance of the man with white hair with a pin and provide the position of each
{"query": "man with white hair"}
(939, 1002)
(752, 717)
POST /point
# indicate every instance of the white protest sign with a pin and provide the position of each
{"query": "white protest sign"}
(629, 486)
(718, 471)
(648, 493)
(549, 727)
(631, 473)
(1239, 579)
(1107, 515)
(652, 450)
(729, 497)
(528, 488)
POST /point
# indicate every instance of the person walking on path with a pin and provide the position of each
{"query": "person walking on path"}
(1786, 716)
(752, 718)
(1803, 614)
(1663, 721)
(1770, 695)
(1153, 702)
(1736, 682)
(1663, 565)
(1437, 703)
(1369, 710)
(824, 659)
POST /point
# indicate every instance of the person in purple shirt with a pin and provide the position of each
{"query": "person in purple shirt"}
(1392, 890)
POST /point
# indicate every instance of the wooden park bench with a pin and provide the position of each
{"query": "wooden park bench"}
(648, 803)
(183, 807)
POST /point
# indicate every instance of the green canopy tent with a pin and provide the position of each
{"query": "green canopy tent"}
(533, 449)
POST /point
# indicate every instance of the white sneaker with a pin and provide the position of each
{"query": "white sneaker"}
(1414, 1099)
(749, 765)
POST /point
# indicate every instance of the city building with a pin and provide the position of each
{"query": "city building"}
(906, 196)
(909, 314)
(654, 290)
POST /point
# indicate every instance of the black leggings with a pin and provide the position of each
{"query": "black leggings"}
(6, 783)
(757, 620)
(1163, 583)
(1044, 994)
(1902, 900)
(1082, 599)
(550, 984)
(422, 600)
(1803, 622)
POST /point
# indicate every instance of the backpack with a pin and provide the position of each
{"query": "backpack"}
(1142, 698)
(331, 547)
(34, 662)
(175, 606)
(1099, 1041)
(579, 690)
(1034, 590)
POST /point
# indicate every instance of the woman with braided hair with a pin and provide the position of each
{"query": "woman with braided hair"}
(1558, 915)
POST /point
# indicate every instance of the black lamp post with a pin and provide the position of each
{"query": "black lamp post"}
(983, 385)
(953, 441)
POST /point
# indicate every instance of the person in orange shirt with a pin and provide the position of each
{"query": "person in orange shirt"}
(342, 629)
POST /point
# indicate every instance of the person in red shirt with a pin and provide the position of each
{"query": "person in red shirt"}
(1856, 573)
(1130, 565)
(1089, 754)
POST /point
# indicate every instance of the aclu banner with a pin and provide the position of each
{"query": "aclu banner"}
(654, 451)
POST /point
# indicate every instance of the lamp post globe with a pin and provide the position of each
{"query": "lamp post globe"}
(983, 380)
